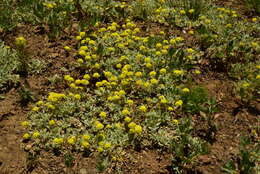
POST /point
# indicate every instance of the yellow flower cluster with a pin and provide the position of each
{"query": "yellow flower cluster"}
(20, 41)
(54, 97)
(134, 128)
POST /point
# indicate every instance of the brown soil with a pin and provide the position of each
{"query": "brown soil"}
(230, 128)
(13, 159)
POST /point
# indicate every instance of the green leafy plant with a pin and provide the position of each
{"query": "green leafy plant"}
(248, 159)
(194, 8)
(26, 95)
(7, 18)
(253, 5)
(185, 147)
(69, 159)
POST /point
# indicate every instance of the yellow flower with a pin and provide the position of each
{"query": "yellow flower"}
(78, 82)
(107, 145)
(67, 48)
(86, 76)
(20, 41)
(131, 125)
(121, 93)
(103, 114)
(85, 82)
(87, 57)
(82, 53)
(92, 42)
(80, 61)
(158, 45)
(108, 126)
(161, 33)
(197, 71)
(138, 74)
(68, 78)
(127, 119)
(254, 19)
(118, 125)
(85, 144)
(86, 137)
(229, 25)
(178, 103)
(245, 85)
(173, 41)
(190, 57)
(125, 112)
(254, 44)
(164, 51)
(182, 12)
(163, 101)
(51, 122)
(175, 121)
(111, 49)
(100, 149)
(258, 76)
(50, 106)
(99, 126)
(143, 108)
(191, 11)
(208, 21)
(142, 47)
(36, 134)
(186, 90)
(163, 71)
(152, 73)
(25, 124)
(78, 38)
(26, 136)
(39, 103)
(114, 158)
(58, 141)
(82, 34)
(138, 129)
(190, 50)
(170, 108)
(77, 96)
(178, 72)
(130, 102)
(71, 140)
(148, 65)
(119, 65)
(221, 16)
(158, 53)
(154, 81)
(96, 75)
(147, 85)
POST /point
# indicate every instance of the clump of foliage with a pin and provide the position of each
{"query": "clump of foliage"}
(253, 5)
(185, 147)
(128, 93)
(247, 161)
(10, 65)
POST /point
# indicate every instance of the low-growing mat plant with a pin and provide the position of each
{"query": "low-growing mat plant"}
(126, 94)
(133, 88)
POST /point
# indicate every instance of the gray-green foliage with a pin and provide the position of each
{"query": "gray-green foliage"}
(9, 64)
